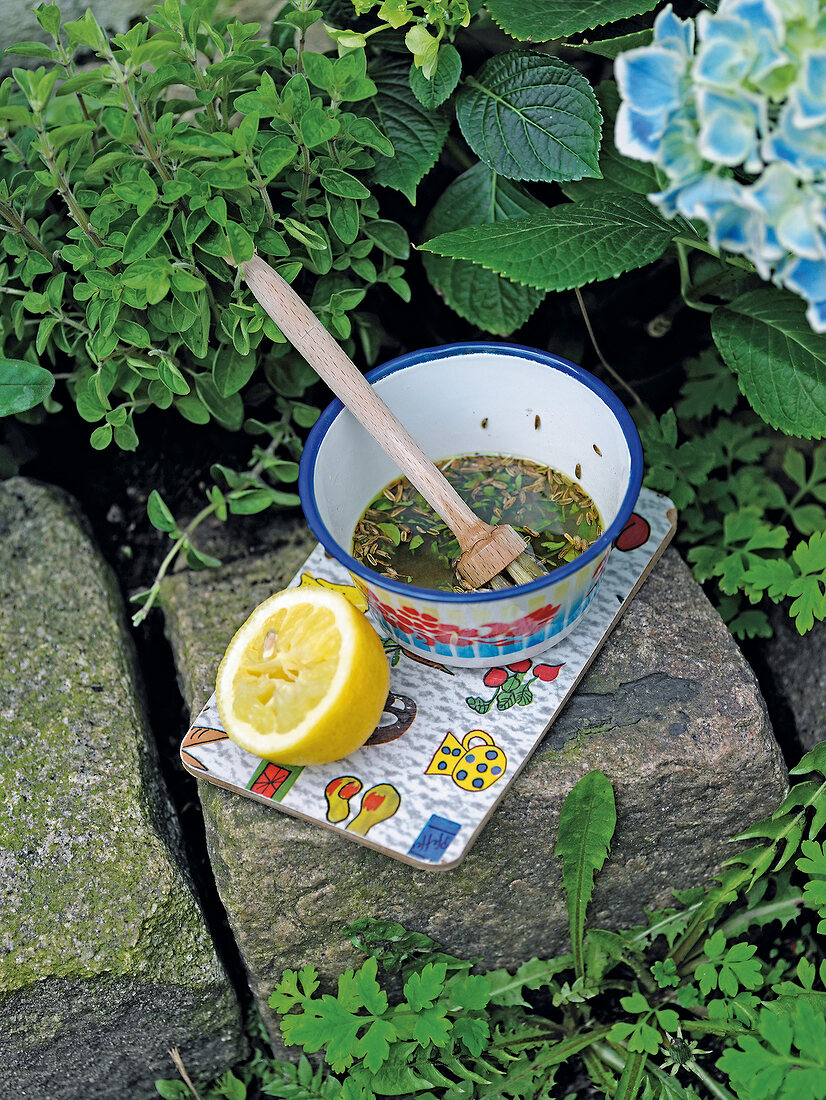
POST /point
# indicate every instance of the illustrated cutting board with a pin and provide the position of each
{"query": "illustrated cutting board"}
(451, 740)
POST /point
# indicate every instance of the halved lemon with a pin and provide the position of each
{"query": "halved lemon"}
(304, 680)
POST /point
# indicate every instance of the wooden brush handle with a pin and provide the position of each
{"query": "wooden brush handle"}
(308, 336)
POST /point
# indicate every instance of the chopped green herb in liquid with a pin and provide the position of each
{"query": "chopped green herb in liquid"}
(400, 535)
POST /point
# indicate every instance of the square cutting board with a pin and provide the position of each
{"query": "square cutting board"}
(451, 741)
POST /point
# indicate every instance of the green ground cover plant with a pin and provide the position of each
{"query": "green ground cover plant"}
(706, 1000)
(132, 167)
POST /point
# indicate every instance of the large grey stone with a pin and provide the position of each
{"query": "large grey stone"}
(670, 711)
(18, 24)
(796, 670)
(105, 960)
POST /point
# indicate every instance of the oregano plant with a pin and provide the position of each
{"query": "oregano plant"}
(130, 187)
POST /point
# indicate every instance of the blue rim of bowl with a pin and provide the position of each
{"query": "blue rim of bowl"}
(444, 351)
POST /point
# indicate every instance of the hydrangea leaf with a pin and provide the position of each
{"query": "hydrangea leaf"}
(531, 117)
(570, 246)
(432, 93)
(619, 173)
(479, 295)
(780, 363)
(613, 47)
(544, 20)
(417, 134)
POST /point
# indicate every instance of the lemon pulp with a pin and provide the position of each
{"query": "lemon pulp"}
(304, 680)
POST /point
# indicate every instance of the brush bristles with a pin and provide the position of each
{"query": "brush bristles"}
(526, 568)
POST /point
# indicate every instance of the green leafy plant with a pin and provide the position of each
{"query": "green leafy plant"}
(753, 525)
(127, 183)
(696, 1003)
(130, 188)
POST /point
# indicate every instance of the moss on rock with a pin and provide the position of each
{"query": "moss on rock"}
(94, 899)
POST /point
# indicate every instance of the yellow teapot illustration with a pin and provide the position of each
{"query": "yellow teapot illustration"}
(474, 763)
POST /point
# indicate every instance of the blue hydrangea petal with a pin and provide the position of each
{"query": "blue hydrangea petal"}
(649, 82)
(809, 98)
(761, 15)
(669, 30)
(667, 201)
(798, 233)
(679, 155)
(637, 135)
(777, 188)
(718, 63)
(802, 148)
(806, 278)
(714, 200)
(649, 79)
(728, 127)
(816, 316)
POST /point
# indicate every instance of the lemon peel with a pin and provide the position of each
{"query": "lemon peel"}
(304, 680)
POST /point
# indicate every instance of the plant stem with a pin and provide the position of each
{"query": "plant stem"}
(760, 861)
(686, 289)
(632, 1075)
(15, 149)
(163, 569)
(179, 1065)
(19, 226)
(47, 152)
(704, 246)
(714, 1087)
(176, 547)
(66, 62)
(305, 168)
(139, 117)
(614, 374)
(262, 191)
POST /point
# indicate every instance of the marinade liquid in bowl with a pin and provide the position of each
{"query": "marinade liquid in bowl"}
(400, 536)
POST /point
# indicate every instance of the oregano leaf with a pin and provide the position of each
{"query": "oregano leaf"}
(23, 385)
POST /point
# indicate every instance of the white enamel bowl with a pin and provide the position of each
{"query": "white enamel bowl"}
(478, 398)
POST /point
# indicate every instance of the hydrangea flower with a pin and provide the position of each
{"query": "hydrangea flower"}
(732, 107)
